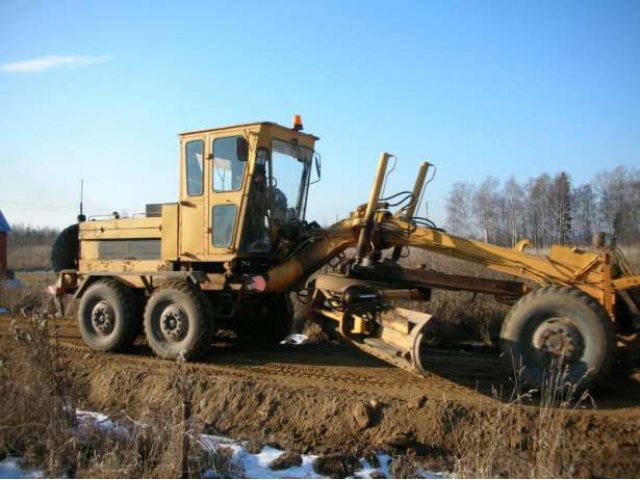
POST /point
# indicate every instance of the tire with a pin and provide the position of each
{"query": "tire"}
(179, 322)
(554, 325)
(267, 319)
(107, 316)
(66, 249)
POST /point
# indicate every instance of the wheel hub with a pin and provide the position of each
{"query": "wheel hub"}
(103, 318)
(173, 323)
(559, 337)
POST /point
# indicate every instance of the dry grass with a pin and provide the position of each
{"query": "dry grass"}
(32, 257)
(40, 392)
(36, 408)
(632, 253)
(459, 316)
(516, 439)
(26, 300)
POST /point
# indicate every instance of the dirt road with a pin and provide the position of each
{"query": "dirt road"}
(330, 397)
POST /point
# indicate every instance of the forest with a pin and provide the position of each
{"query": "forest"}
(548, 209)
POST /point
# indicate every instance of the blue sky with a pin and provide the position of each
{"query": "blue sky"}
(100, 90)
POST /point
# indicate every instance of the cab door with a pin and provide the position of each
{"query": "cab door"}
(229, 166)
(191, 241)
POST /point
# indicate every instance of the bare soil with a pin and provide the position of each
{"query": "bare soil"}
(314, 398)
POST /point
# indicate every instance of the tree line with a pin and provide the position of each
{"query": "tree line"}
(28, 236)
(547, 209)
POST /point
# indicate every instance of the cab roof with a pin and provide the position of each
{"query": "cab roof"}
(253, 124)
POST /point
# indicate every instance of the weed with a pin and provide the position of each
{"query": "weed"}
(37, 407)
(523, 436)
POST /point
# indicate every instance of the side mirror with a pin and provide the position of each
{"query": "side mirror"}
(316, 162)
(242, 149)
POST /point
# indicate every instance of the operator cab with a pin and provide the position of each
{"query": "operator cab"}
(242, 188)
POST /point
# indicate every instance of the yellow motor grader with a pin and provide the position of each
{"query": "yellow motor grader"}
(236, 244)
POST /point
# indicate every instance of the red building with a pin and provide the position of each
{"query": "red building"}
(4, 231)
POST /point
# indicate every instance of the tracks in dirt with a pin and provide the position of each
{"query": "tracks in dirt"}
(300, 366)
(464, 377)
(332, 367)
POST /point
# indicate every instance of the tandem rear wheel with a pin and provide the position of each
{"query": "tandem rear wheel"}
(559, 337)
(108, 316)
(178, 322)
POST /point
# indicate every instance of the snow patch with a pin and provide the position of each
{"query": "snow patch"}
(251, 465)
(10, 468)
(295, 339)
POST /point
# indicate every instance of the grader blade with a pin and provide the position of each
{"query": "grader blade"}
(398, 338)
(401, 338)
(364, 317)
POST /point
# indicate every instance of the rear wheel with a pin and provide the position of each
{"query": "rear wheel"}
(178, 322)
(107, 316)
(559, 332)
(267, 318)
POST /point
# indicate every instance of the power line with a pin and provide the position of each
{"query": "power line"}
(52, 208)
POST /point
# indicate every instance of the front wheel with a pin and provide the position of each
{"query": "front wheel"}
(559, 328)
(178, 322)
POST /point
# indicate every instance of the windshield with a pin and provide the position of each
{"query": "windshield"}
(278, 192)
(290, 168)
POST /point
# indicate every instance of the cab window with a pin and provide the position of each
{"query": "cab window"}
(194, 153)
(229, 161)
(223, 222)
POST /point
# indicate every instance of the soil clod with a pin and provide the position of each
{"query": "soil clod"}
(337, 465)
(418, 402)
(362, 414)
(253, 446)
(286, 460)
(400, 442)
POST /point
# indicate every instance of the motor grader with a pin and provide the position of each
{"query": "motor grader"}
(228, 254)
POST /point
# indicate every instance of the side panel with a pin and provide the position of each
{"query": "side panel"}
(170, 219)
(133, 248)
(131, 244)
(121, 229)
(120, 266)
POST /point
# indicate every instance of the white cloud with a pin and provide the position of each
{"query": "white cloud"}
(41, 64)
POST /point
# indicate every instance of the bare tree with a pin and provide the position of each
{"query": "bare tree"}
(560, 208)
(583, 200)
(547, 210)
(618, 202)
(459, 209)
(514, 197)
(538, 209)
(486, 208)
